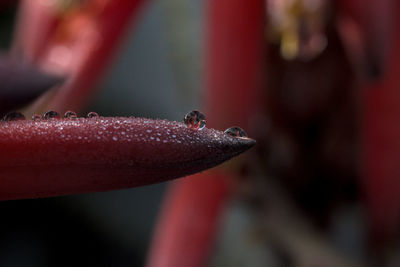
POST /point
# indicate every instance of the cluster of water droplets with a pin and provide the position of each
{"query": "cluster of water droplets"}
(15, 116)
(160, 133)
(115, 138)
(197, 120)
(193, 119)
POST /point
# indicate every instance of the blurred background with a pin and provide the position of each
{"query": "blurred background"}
(313, 81)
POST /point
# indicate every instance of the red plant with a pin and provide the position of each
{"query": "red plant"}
(68, 156)
(316, 60)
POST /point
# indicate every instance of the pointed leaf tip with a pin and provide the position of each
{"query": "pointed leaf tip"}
(67, 156)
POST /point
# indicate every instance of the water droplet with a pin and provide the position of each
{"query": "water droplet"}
(13, 116)
(195, 120)
(70, 115)
(51, 115)
(92, 115)
(236, 132)
(36, 117)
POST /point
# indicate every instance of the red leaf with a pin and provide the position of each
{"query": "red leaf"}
(57, 157)
(189, 220)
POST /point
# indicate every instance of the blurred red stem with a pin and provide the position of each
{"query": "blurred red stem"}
(185, 233)
(189, 220)
(381, 110)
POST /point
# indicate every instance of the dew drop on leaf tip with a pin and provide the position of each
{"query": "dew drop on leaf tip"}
(235, 132)
(51, 115)
(13, 116)
(36, 117)
(70, 115)
(195, 120)
(92, 115)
